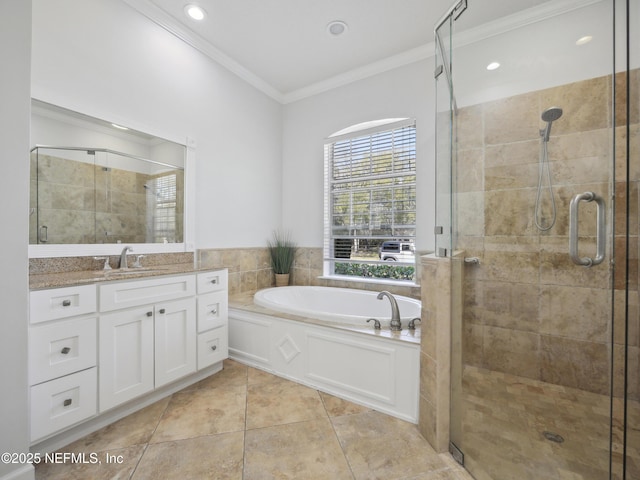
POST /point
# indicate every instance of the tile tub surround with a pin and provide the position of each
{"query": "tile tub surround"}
(246, 423)
(250, 270)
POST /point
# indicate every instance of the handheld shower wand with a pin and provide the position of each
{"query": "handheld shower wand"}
(550, 115)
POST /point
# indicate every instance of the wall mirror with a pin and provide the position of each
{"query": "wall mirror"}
(95, 183)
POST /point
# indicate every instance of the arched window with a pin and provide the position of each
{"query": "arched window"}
(370, 200)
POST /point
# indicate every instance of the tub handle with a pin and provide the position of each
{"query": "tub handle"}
(376, 323)
(412, 323)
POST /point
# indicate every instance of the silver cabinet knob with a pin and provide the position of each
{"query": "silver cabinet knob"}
(149, 314)
(67, 402)
(65, 350)
(66, 303)
(214, 347)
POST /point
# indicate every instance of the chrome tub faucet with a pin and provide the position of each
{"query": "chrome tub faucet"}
(396, 324)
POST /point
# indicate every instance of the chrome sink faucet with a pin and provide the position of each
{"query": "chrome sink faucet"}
(396, 324)
(123, 256)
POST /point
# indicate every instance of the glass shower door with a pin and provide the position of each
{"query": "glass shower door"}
(445, 134)
(540, 197)
(626, 431)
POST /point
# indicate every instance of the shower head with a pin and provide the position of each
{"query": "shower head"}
(550, 115)
(151, 191)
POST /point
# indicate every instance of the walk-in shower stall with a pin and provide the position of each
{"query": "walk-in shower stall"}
(538, 167)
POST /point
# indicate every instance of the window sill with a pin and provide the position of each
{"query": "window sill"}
(378, 281)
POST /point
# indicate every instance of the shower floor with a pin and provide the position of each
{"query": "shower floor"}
(504, 419)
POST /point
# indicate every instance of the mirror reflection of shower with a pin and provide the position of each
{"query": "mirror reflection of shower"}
(545, 183)
(152, 191)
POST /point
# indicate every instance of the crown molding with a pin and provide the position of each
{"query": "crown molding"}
(487, 30)
(166, 21)
(521, 19)
(366, 71)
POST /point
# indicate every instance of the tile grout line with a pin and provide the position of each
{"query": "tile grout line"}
(147, 443)
(344, 454)
(246, 410)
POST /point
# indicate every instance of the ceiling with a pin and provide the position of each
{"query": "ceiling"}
(283, 47)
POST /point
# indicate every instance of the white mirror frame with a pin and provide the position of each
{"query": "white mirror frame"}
(104, 249)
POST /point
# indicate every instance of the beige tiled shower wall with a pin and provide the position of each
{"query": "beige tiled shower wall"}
(528, 310)
(250, 270)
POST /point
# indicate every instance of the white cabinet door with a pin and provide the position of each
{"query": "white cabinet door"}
(175, 340)
(126, 355)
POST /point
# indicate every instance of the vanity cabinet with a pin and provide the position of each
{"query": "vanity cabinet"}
(94, 347)
(62, 358)
(146, 345)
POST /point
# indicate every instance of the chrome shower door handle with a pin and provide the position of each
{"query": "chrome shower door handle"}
(43, 234)
(601, 234)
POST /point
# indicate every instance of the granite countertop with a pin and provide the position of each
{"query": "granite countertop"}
(244, 301)
(86, 277)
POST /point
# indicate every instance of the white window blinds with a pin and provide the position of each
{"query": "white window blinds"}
(163, 208)
(370, 190)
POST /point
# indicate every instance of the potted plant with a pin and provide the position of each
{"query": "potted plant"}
(282, 250)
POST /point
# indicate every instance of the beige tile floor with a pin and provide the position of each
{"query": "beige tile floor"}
(502, 420)
(245, 424)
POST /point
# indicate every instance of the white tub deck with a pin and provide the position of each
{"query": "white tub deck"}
(376, 368)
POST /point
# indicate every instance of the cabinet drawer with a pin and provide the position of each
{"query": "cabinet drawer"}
(60, 403)
(114, 296)
(213, 310)
(61, 348)
(65, 302)
(213, 346)
(216, 281)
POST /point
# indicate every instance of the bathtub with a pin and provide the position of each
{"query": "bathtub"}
(318, 336)
(337, 305)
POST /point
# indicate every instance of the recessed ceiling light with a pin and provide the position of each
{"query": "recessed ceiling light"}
(195, 12)
(583, 40)
(493, 66)
(119, 126)
(336, 28)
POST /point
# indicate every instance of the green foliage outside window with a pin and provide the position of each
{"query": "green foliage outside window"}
(394, 272)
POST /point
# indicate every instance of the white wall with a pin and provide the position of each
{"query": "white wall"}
(408, 91)
(104, 59)
(15, 43)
